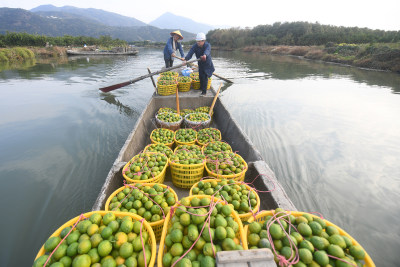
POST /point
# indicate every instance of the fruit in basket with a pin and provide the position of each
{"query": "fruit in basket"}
(165, 109)
(186, 111)
(167, 82)
(160, 148)
(233, 192)
(146, 166)
(215, 147)
(107, 251)
(163, 136)
(197, 117)
(187, 154)
(225, 163)
(194, 231)
(185, 135)
(208, 135)
(204, 109)
(151, 202)
(311, 245)
(169, 73)
(184, 79)
(169, 117)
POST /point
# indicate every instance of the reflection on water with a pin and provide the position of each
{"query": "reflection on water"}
(287, 68)
(329, 132)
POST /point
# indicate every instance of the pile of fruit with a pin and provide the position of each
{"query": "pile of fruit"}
(160, 148)
(163, 136)
(169, 117)
(195, 76)
(100, 241)
(187, 154)
(313, 238)
(206, 226)
(185, 135)
(184, 79)
(204, 109)
(192, 148)
(165, 109)
(243, 198)
(197, 117)
(145, 166)
(169, 74)
(215, 147)
(167, 82)
(208, 135)
(186, 111)
(225, 163)
(141, 200)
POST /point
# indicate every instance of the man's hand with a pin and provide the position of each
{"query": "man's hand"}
(173, 55)
(203, 58)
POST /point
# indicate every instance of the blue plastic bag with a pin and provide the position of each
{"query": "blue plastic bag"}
(186, 71)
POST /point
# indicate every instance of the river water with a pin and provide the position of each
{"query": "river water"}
(330, 133)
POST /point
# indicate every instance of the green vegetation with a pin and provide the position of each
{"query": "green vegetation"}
(12, 39)
(17, 54)
(299, 33)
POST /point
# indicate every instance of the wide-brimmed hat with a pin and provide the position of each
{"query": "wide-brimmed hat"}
(177, 33)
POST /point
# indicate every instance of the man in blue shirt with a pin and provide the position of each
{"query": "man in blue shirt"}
(171, 46)
(202, 49)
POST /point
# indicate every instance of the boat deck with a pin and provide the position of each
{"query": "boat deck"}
(274, 195)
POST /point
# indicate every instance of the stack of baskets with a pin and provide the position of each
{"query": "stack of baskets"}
(196, 81)
(167, 83)
(184, 83)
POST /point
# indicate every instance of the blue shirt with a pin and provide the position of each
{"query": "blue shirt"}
(206, 66)
(168, 49)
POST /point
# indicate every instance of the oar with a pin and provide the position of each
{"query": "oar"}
(152, 80)
(215, 99)
(119, 85)
(216, 75)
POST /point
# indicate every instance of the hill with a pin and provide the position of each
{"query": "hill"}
(171, 21)
(56, 23)
(97, 15)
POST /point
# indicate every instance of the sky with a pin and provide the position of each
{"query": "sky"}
(383, 14)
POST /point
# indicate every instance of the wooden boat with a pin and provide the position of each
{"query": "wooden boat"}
(231, 133)
(100, 53)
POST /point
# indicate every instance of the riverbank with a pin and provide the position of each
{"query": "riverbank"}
(21, 54)
(379, 57)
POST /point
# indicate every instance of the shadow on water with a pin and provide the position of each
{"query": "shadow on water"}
(290, 68)
(123, 109)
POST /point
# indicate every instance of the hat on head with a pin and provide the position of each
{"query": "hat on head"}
(200, 37)
(177, 33)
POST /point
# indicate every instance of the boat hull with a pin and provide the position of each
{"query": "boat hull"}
(94, 53)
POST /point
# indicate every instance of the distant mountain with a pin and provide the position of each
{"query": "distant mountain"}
(98, 15)
(171, 21)
(54, 23)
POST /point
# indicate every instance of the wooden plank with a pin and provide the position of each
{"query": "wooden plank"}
(238, 258)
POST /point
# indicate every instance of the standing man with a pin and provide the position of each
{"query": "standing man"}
(202, 49)
(171, 46)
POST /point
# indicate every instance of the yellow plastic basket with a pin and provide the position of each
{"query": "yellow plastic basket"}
(184, 86)
(196, 84)
(243, 217)
(166, 89)
(146, 228)
(157, 179)
(219, 137)
(262, 215)
(184, 143)
(156, 142)
(186, 175)
(168, 223)
(156, 226)
(237, 177)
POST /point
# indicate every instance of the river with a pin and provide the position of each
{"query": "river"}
(330, 133)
